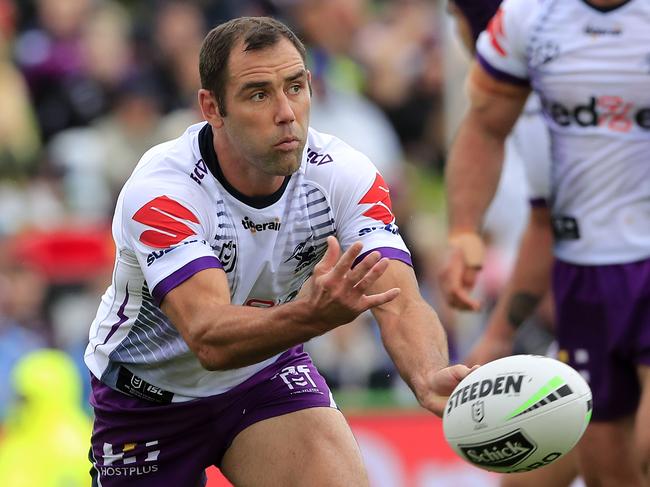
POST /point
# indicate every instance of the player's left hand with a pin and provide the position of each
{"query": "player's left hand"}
(440, 385)
(460, 271)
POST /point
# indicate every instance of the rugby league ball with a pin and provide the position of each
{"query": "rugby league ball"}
(517, 413)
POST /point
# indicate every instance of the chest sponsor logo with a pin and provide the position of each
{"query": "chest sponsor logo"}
(249, 224)
(504, 384)
(612, 112)
(168, 221)
(603, 30)
(379, 197)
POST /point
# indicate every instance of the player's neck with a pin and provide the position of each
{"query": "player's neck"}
(244, 177)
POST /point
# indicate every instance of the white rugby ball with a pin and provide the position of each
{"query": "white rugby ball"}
(517, 413)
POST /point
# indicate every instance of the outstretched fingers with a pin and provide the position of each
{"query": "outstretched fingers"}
(331, 257)
(344, 264)
(379, 299)
(362, 268)
(373, 271)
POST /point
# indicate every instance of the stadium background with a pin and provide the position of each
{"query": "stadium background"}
(86, 86)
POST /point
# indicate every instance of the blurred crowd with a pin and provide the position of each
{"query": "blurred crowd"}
(86, 86)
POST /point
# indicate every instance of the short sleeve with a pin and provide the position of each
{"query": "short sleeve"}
(169, 236)
(363, 210)
(501, 48)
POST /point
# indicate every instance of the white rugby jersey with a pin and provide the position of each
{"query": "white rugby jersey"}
(177, 215)
(530, 143)
(591, 68)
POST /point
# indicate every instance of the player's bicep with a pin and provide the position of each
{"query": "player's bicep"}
(494, 104)
(192, 305)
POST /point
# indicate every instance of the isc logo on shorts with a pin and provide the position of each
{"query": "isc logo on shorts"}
(123, 463)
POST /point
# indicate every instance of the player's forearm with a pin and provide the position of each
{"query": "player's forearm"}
(530, 279)
(230, 336)
(415, 341)
(472, 174)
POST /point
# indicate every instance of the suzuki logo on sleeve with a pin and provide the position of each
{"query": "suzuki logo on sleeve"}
(379, 196)
(167, 218)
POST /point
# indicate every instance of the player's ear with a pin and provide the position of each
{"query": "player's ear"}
(210, 107)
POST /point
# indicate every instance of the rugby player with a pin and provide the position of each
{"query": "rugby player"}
(587, 61)
(237, 242)
(529, 144)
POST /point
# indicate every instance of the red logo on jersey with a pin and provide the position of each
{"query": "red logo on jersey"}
(164, 215)
(379, 196)
(496, 32)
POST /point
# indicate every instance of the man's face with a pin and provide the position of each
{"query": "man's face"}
(267, 102)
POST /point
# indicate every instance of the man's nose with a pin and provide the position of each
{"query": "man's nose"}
(284, 111)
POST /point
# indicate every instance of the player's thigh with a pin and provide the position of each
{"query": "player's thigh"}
(561, 473)
(311, 447)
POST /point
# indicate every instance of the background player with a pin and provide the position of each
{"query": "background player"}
(599, 199)
(529, 145)
(228, 260)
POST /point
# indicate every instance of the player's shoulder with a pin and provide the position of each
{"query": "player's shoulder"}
(524, 8)
(329, 158)
(518, 15)
(166, 170)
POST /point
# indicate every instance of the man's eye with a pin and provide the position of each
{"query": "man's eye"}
(258, 96)
(295, 89)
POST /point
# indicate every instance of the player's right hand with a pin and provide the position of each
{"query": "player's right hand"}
(337, 292)
(460, 271)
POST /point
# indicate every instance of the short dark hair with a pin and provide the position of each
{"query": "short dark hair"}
(257, 32)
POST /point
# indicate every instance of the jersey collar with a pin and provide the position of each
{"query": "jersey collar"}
(206, 146)
(606, 9)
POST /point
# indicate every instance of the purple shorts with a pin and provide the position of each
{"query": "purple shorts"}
(603, 330)
(142, 444)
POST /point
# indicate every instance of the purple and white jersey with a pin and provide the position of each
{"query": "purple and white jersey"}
(530, 143)
(177, 215)
(591, 69)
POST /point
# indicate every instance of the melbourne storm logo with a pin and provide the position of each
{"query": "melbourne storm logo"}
(305, 253)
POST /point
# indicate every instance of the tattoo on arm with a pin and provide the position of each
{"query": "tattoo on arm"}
(521, 306)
